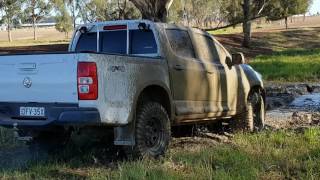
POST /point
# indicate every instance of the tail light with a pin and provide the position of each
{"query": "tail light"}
(87, 81)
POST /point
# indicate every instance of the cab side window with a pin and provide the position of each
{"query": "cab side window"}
(142, 42)
(206, 48)
(181, 43)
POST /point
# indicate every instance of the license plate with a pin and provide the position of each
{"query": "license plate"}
(32, 111)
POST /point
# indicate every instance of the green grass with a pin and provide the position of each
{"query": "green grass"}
(268, 155)
(6, 139)
(290, 65)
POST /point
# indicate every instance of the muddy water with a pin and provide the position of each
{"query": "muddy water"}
(310, 101)
(301, 111)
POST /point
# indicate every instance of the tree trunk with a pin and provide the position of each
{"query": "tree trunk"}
(286, 22)
(9, 34)
(155, 10)
(246, 24)
(9, 30)
(34, 29)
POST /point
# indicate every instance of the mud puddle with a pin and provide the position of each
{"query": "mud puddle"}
(309, 101)
(292, 106)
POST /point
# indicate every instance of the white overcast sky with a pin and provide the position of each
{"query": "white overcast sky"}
(315, 7)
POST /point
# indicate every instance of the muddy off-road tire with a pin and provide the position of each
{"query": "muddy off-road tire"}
(152, 131)
(253, 119)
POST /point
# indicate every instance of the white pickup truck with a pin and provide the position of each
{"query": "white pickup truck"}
(137, 77)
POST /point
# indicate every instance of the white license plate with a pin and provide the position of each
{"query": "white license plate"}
(32, 111)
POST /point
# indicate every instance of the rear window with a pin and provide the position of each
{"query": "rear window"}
(114, 42)
(181, 43)
(87, 42)
(142, 42)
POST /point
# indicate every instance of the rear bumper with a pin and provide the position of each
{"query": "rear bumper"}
(55, 114)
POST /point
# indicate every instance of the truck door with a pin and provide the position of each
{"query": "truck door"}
(189, 80)
(208, 55)
(229, 81)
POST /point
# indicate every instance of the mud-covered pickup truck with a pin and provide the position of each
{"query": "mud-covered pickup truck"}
(137, 77)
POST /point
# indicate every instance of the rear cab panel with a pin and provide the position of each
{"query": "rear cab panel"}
(126, 70)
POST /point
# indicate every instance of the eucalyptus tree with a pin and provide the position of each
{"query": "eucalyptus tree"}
(155, 10)
(11, 11)
(286, 8)
(36, 10)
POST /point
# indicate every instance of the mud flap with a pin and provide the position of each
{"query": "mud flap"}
(124, 135)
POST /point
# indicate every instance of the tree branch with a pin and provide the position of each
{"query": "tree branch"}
(231, 25)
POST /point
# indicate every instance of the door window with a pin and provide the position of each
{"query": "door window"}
(206, 48)
(181, 43)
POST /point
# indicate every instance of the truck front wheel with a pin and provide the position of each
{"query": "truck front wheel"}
(152, 131)
(254, 117)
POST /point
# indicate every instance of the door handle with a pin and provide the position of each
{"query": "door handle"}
(178, 67)
(210, 72)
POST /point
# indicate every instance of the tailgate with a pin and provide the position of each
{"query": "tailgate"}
(43, 78)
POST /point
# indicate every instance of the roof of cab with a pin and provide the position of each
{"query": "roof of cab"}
(163, 25)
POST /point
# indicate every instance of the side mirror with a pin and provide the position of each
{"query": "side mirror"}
(238, 58)
(229, 61)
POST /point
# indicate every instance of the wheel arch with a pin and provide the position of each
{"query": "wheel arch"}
(157, 93)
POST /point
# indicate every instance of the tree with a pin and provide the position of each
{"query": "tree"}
(246, 23)
(155, 10)
(11, 10)
(64, 21)
(286, 8)
(194, 12)
(105, 10)
(73, 6)
(244, 11)
(35, 11)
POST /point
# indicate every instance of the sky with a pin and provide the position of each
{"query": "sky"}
(315, 7)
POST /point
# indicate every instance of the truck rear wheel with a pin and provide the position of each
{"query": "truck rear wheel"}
(152, 131)
(254, 117)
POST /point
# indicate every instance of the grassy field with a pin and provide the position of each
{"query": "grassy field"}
(292, 55)
(269, 155)
(289, 66)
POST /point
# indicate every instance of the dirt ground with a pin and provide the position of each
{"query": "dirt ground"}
(27, 33)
